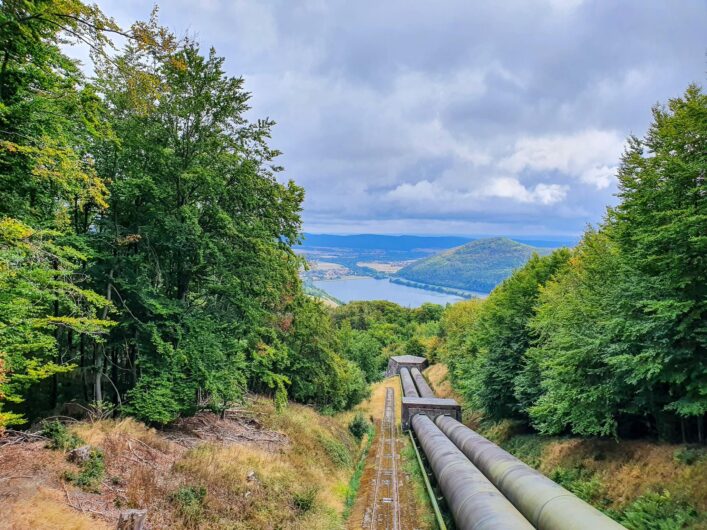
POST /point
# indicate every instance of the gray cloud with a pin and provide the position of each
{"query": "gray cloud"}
(462, 117)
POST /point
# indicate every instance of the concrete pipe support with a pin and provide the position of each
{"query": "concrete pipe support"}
(546, 504)
(422, 387)
(474, 502)
(409, 389)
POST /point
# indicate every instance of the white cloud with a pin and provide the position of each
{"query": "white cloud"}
(392, 112)
(434, 197)
(510, 188)
(589, 155)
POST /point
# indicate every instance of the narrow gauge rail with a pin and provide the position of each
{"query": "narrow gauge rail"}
(385, 513)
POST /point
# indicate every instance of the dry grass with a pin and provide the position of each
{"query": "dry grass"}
(244, 486)
(47, 510)
(96, 433)
(630, 468)
(374, 406)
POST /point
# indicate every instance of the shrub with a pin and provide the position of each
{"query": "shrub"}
(60, 437)
(657, 511)
(340, 456)
(91, 473)
(305, 500)
(190, 503)
(689, 455)
(359, 426)
(579, 481)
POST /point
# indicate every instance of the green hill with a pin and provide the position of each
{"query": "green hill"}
(476, 266)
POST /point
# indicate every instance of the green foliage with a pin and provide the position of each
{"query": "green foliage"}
(579, 330)
(37, 284)
(476, 266)
(609, 338)
(527, 447)
(337, 451)
(318, 373)
(579, 481)
(689, 455)
(151, 186)
(91, 474)
(656, 511)
(371, 332)
(190, 503)
(60, 437)
(660, 225)
(494, 373)
(364, 350)
(359, 426)
(305, 500)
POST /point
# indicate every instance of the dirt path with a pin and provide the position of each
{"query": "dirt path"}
(386, 500)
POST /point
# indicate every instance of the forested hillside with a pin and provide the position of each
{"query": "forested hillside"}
(145, 243)
(476, 266)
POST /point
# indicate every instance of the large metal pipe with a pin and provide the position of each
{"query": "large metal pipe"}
(546, 504)
(409, 389)
(422, 387)
(474, 502)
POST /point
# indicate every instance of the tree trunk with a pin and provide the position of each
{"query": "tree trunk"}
(98, 352)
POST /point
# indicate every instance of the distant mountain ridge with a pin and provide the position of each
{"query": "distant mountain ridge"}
(385, 242)
(478, 265)
(408, 242)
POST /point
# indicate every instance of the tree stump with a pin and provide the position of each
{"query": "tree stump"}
(132, 519)
(80, 455)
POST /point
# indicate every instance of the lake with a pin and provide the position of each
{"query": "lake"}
(348, 290)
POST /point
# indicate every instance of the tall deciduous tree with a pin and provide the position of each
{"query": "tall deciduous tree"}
(660, 226)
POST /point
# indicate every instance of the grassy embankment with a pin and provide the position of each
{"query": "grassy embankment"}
(644, 484)
(288, 470)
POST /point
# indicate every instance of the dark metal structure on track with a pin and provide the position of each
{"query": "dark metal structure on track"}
(485, 487)
(418, 398)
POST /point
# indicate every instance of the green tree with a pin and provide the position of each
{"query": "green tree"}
(36, 284)
(364, 350)
(501, 336)
(580, 323)
(660, 226)
(197, 243)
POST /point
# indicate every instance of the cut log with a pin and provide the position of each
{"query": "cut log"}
(132, 519)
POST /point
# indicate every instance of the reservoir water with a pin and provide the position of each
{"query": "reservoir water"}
(363, 288)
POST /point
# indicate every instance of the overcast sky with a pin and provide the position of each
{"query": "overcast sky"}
(450, 117)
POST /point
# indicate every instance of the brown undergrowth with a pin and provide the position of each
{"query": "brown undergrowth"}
(253, 470)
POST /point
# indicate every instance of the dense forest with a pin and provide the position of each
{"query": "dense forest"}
(145, 242)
